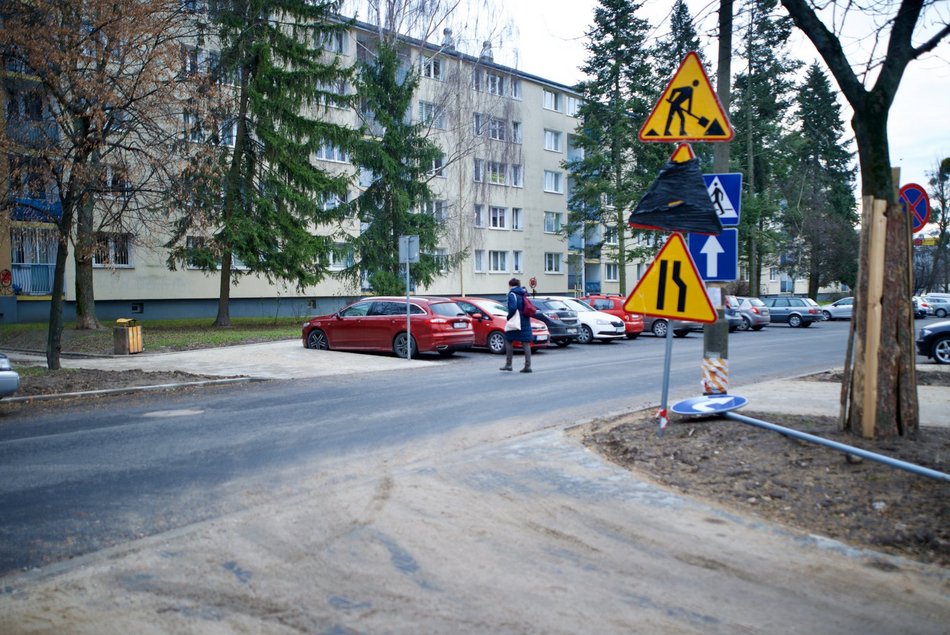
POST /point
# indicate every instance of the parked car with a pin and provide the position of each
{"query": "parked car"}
(730, 307)
(838, 310)
(594, 325)
(933, 341)
(796, 312)
(436, 325)
(9, 378)
(939, 304)
(613, 304)
(921, 308)
(755, 315)
(488, 322)
(659, 325)
(560, 319)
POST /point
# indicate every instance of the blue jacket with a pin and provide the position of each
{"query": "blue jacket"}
(516, 303)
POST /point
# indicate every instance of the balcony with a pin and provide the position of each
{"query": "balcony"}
(32, 134)
(40, 210)
(33, 279)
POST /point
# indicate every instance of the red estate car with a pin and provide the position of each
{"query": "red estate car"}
(488, 321)
(613, 304)
(436, 325)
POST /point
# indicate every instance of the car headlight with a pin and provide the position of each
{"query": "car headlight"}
(925, 332)
(5, 364)
(602, 322)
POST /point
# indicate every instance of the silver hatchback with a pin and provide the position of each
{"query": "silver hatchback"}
(755, 315)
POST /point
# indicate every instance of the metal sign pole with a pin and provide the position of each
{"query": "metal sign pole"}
(662, 415)
(408, 332)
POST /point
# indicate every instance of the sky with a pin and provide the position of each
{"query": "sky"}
(549, 35)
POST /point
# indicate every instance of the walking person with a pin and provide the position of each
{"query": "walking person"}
(516, 295)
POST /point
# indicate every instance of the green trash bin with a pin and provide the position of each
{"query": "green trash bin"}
(127, 336)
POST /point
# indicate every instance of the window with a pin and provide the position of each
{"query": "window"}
(498, 217)
(437, 209)
(573, 105)
(192, 127)
(431, 67)
(517, 261)
(441, 257)
(516, 132)
(612, 272)
(193, 60)
(495, 83)
(479, 215)
(515, 84)
(329, 152)
(340, 257)
(552, 140)
(552, 262)
(228, 132)
(438, 166)
(114, 182)
(332, 42)
(198, 262)
(477, 80)
(552, 182)
(552, 100)
(330, 201)
(497, 129)
(517, 175)
(112, 250)
(517, 218)
(478, 260)
(611, 236)
(431, 114)
(498, 261)
(552, 222)
(479, 171)
(478, 123)
(331, 91)
(497, 172)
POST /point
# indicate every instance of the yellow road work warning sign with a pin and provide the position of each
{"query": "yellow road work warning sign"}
(688, 109)
(672, 287)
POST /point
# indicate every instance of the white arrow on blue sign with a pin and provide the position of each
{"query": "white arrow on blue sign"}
(725, 192)
(716, 257)
(708, 404)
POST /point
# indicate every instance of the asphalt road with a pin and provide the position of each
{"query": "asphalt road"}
(76, 478)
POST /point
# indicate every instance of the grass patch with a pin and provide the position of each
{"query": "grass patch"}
(157, 335)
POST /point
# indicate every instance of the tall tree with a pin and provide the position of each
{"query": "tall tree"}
(100, 143)
(879, 394)
(762, 98)
(273, 197)
(940, 215)
(615, 168)
(820, 216)
(397, 160)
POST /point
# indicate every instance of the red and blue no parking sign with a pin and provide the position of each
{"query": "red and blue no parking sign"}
(915, 200)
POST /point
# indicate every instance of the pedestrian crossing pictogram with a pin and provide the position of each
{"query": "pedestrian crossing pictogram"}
(688, 109)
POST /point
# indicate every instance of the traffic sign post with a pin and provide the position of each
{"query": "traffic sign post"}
(408, 253)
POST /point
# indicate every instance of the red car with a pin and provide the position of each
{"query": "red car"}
(613, 304)
(436, 325)
(488, 320)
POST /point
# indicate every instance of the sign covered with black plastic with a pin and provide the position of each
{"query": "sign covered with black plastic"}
(677, 201)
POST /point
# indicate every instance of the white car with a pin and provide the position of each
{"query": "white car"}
(594, 325)
(838, 310)
(9, 378)
(940, 304)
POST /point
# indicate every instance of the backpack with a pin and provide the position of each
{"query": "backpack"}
(529, 309)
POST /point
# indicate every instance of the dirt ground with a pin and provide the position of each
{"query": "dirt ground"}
(859, 502)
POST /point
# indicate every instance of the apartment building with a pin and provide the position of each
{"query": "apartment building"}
(501, 191)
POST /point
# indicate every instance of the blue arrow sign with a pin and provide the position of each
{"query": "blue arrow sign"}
(725, 192)
(716, 257)
(708, 404)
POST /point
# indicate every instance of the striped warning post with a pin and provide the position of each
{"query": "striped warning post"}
(715, 376)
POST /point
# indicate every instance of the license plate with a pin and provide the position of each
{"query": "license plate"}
(541, 338)
(460, 325)
(571, 331)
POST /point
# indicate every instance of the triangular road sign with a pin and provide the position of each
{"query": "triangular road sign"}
(688, 109)
(682, 154)
(672, 287)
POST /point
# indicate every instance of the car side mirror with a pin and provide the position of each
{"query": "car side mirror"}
(338, 315)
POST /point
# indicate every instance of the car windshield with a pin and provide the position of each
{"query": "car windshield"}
(450, 309)
(578, 306)
(810, 302)
(556, 305)
(497, 308)
(755, 302)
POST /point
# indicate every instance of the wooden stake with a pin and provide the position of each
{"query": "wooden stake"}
(878, 229)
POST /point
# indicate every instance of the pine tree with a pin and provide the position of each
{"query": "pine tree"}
(821, 218)
(272, 197)
(399, 160)
(616, 168)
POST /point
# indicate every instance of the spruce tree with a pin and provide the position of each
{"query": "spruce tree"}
(262, 201)
(616, 168)
(398, 160)
(820, 218)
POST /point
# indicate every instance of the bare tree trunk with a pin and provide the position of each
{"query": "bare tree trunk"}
(83, 256)
(54, 339)
(224, 296)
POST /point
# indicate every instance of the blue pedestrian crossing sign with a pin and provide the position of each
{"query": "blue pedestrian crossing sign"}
(716, 257)
(725, 192)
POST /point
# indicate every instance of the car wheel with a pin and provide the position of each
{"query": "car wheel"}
(447, 353)
(496, 342)
(758, 328)
(794, 321)
(660, 327)
(585, 336)
(827, 315)
(940, 350)
(746, 324)
(681, 333)
(562, 343)
(940, 313)
(399, 346)
(805, 324)
(632, 336)
(317, 340)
